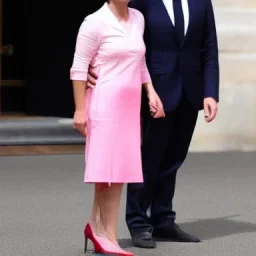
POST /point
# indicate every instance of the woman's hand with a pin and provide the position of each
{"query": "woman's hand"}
(155, 105)
(80, 122)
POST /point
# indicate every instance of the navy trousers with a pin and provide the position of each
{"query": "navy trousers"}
(164, 149)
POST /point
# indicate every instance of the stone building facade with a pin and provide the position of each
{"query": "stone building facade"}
(235, 127)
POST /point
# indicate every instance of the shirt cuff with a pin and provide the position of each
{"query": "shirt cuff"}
(78, 75)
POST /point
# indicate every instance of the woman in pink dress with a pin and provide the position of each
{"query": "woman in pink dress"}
(111, 41)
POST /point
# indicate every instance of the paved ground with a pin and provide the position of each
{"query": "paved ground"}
(44, 205)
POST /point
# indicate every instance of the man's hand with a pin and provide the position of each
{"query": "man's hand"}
(155, 105)
(210, 109)
(91, 78)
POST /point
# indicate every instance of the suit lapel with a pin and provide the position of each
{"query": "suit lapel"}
(191, 10)
(164, 12)
(191, 13)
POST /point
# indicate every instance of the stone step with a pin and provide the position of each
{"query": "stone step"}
(235, 126)
(234, 3)
(39, 131)
(236, 29)
(237, 69)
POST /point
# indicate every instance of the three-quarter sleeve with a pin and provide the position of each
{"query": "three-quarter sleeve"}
(145, 76)
(87, 44)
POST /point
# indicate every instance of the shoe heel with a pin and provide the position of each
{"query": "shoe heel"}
(85, 244)
(88, 234)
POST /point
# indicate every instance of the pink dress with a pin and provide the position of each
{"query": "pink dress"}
(117, 54)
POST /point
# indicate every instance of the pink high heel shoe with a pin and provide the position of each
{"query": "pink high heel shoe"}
(102, 244)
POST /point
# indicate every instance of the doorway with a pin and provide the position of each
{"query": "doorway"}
(37, 40)
(12, 53)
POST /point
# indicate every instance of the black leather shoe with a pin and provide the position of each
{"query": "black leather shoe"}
(174, 233)
(144, 240)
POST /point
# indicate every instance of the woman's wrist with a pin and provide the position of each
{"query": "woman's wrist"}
(149, 88)
(79, 109)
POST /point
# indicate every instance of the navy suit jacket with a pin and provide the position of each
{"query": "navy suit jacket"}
(192, 67)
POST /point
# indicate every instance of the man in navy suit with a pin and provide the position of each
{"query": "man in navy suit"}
(182, 58)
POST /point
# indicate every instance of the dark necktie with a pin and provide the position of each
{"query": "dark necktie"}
(179, 20)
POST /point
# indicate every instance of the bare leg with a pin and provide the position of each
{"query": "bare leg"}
(109, 209)
(95, 219)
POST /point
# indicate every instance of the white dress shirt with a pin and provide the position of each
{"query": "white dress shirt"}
(169, 7)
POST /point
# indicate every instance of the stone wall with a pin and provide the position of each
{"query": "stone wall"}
(235, 127)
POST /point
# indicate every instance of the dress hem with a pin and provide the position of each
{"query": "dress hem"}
(113, 182)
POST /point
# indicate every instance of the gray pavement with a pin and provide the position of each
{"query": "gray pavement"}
(44, 205)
